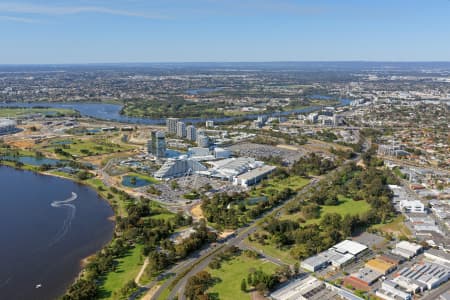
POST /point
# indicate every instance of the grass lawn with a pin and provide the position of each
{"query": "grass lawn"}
(396, 226)
(143, 176)
(269, 186)
(231, 274)
(17, 112)
(86, 147)
(104, 192)
(127, 269)
(271, 250)
(346, 206)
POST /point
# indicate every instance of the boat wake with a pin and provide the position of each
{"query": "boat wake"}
(71, 210)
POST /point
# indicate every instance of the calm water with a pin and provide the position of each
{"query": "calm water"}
(47, 225)
(30, 160)
(111, 112)
(126, 181)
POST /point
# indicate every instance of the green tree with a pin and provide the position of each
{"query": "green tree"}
(243, 285)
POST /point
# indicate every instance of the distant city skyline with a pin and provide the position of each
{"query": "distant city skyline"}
(138, 31)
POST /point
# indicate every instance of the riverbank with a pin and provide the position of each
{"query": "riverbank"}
(48, 245)
(92, 184)
(114, 112)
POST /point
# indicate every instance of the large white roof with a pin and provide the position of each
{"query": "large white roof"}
(348, 246)
(7, 122)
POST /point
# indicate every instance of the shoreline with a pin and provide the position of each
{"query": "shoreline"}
(83, 261)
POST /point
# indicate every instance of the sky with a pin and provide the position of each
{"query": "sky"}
(124, 31)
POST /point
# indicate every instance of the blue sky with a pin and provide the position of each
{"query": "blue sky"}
(97, 31)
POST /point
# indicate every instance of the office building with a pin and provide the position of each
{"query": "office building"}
(191, 133)
(157, 145)
(181, 129)
(171, 124)
(203, 141)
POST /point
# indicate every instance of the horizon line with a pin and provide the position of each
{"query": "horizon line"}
(224, 62)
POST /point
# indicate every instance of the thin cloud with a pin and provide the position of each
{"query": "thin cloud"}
(18, 20)
(71, 10)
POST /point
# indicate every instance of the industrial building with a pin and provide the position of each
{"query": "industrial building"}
(407, 250)
(422, 276)
(391, 291)
(380, 265)
(438, 256)
(315, 263)
(352, 247)
(338, 256)
(171, 124)
(191, 133)
(157, 145)
(412, 206)
(310, 288)
(173, 168)
(362, 279)
(392, 258)
(254, 176)
(7, 126)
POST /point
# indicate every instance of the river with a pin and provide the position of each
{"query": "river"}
(111, 112)
(47, 226)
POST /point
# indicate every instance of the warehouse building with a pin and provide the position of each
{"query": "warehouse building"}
(407, 250)
(315, 263)
(338, 256)
(310, 288)
(362, 279)
(351, 247)
(438, 256)
(391, 291)
(381, 266)
(422, 276)
(412, 206)
(392, 258)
